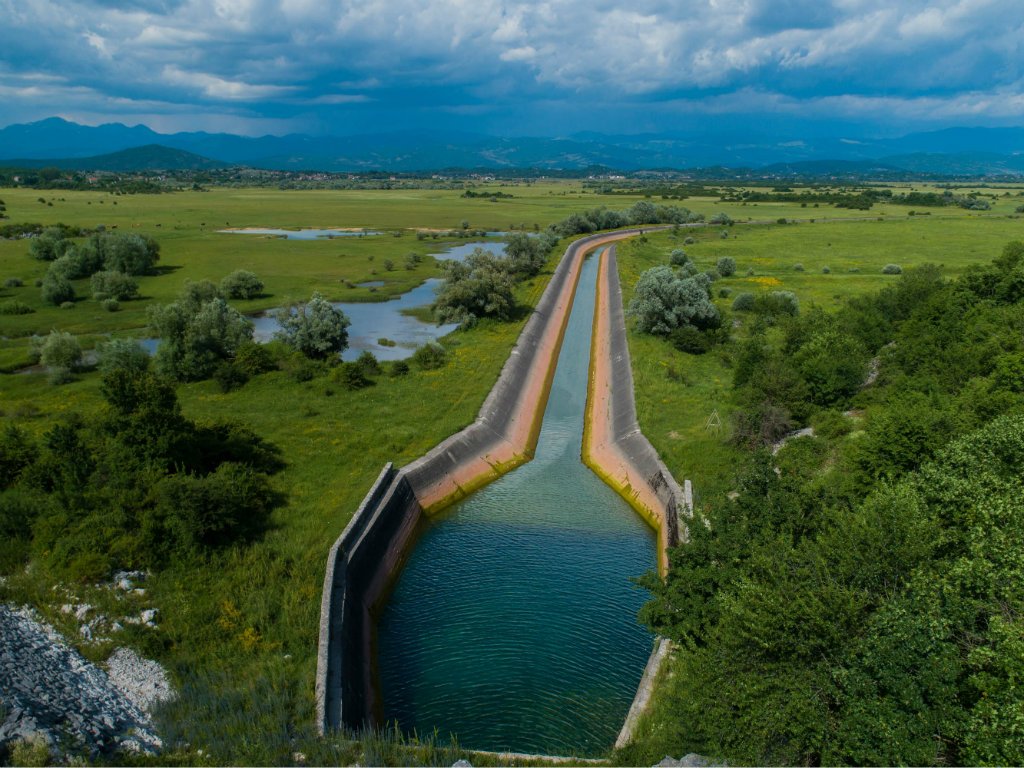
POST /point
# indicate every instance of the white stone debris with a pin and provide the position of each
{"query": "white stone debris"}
(50, 692)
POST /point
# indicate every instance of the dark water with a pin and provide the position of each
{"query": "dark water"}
(513, 625)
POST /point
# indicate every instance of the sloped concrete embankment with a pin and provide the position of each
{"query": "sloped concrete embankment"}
(369, 553)
(616, 449)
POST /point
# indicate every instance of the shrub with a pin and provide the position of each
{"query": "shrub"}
(13, 282)
(689, 241)
(826, 271)
(67, 305)
(744, 302)
(678, 257)
(61, 354)
(726, 266)
(750, 272)
(254, 358)
(720, 219)
(724, 234)
(831, 424)
(430, 356)
(724, 293)
(798, 267)
(664, 301)
(1019, 209)
(113, 285)
(686, 338)
(389, 265)
(398, 368)
(50, 245)
(241, 284)
(122, 355)
(197, 332)
(479, 287)
(15, 307)
(351, 376)
(131, 254)
(111, 305)
(368, 364)
(892, 269)
(56, 289)
(713, 275)
(229, 376)
(778, 303)
(316, 329)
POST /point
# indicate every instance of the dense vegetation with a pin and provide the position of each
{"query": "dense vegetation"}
(132, 488)
(856, 599)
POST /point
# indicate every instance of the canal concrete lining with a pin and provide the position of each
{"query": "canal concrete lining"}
(613, 444)
(617, 450)
(369, 553)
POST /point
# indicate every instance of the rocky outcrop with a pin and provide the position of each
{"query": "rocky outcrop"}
(49, 692)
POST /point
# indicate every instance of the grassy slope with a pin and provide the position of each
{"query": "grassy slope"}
(673, 414)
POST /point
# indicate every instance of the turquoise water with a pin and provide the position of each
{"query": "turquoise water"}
(513, 624)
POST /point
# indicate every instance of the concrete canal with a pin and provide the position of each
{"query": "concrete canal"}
(513, 624)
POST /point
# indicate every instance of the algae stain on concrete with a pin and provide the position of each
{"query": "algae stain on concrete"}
(513, 624)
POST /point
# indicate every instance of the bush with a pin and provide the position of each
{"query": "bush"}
(113, 285)
(230, 376)
(826, 271)
(15, 307)
(131, 254)
(892, 269)
(712, 275)
(778, 303)
(61, 354)
(67, 305)
(430, 356)
(798, 267)
(351, 376)
(724, 293)
(1019, 209)
(254, 358)
(13, 282)
(368, 364)
(122, 355)
(241, 284)
(744, 302)
(111, 305)
(197, 332)
(689, 241)
(316, 329)
(664, 301)
(686, 338)
(726, 266)
(720, 219)
(398, 368)
(56, 289)
(831, 424)
(50, 245)
(481, 286)
(678, 257)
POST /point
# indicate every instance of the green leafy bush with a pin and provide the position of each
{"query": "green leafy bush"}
(241, 284)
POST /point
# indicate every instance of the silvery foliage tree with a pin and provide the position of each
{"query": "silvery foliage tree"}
(665, 300)
(481, 286)
(197, 332)
(61, 353)
(316, 329)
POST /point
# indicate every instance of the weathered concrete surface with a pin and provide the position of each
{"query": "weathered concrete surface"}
(613, 445)
(50, 691)
(616, 449)
(368, 555)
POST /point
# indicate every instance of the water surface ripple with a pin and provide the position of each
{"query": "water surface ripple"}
(513, 624)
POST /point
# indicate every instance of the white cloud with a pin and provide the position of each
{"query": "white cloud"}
(220, 88)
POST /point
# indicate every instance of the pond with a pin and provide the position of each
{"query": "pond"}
(460, 252)
(371, 322)
(300, 234)
(513, 624)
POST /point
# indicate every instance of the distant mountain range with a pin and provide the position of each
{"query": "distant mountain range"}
(113, 146)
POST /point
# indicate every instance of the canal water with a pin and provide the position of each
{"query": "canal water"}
(513, 624)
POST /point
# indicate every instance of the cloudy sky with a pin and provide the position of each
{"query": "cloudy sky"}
(511, 67)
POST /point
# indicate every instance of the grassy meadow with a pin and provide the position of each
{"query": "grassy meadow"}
(239, 632)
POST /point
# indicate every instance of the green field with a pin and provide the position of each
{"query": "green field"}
(240, 631)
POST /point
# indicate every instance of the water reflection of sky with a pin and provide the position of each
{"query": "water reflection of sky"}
(300, 234)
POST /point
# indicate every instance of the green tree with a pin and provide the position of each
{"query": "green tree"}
(664, 301)
(113, 285)
(479, 287)
(241, 284)
(316, 328)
